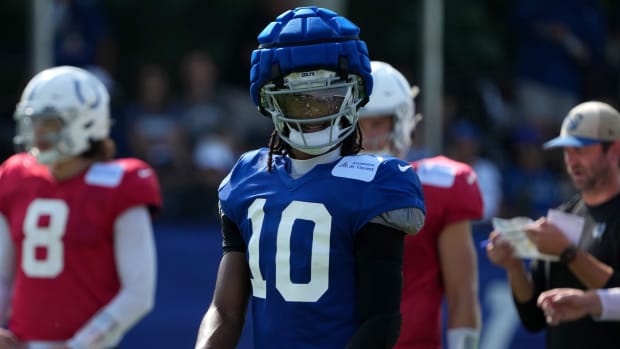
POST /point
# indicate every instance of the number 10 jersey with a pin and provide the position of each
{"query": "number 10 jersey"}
(300, 238)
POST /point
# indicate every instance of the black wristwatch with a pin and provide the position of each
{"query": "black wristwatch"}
(568, 255)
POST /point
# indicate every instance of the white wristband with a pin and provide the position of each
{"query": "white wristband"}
(463, 338)
(610, 304)
(100, 332)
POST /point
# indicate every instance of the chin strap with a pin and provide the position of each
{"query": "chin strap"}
(463, 338)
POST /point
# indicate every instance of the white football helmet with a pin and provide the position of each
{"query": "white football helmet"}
(72, 98)
(392, 95)
(331, 101)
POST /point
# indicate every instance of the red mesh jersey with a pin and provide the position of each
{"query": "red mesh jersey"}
(451, 194)
(63, 235)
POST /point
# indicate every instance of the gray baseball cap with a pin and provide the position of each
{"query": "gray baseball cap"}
(588, 123)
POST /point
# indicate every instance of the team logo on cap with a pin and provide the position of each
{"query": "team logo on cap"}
(574, 122)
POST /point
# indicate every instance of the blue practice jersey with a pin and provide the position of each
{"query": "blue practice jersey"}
(300, 236)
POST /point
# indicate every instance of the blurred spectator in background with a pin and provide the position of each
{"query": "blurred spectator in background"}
(203, 111)
(250, 126)
(251, 22)
(419, 148)
(611, 89)
(83, 38)
(529, 187)
(560, 44)
(155, 134)
(465, 145)
(213, 158)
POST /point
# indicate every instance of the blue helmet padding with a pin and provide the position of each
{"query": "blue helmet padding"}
(308, 38)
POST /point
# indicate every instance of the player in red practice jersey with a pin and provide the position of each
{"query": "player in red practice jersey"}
(77, 254)
(440, 260)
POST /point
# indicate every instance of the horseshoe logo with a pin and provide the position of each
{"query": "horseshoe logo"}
(78, 91)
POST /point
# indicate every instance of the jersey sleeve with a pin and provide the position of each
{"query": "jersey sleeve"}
(139, 187)
(464, 198)
(394, 186)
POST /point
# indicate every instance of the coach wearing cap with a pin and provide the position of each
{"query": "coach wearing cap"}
(590, 140)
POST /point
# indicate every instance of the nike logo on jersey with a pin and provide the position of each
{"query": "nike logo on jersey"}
(145, 173)
(471, 179)
(403, 168)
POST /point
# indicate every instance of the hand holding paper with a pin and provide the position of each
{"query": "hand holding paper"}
(571, 225)
(551, 241)
(513, 231)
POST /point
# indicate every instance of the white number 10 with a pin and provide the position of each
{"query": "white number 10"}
(319, 263)
(48, 237)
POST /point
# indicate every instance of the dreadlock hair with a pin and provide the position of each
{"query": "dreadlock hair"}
(349, 146)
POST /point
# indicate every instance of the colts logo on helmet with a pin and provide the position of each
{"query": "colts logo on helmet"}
(80, 95)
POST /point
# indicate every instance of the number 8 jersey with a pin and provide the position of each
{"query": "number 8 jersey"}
(63, 233)
(300, 238)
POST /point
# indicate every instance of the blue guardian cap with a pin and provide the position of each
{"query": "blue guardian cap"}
(305, 52)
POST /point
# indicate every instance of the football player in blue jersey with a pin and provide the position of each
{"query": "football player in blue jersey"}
(313, 232)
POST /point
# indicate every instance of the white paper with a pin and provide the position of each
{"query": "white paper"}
(569, 224)
(513, 231)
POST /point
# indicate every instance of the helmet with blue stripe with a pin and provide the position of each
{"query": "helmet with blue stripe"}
(311, 73)
(61, 111)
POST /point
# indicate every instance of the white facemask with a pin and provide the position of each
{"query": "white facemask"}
(47, 157)
(314, 140)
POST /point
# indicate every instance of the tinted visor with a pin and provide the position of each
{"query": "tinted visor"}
(312, 104)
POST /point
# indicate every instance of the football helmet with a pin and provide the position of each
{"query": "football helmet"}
(311, 74)
(61, 110)
(392, 95)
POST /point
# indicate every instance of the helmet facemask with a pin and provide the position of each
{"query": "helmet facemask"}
(43, 135)
(313, 111)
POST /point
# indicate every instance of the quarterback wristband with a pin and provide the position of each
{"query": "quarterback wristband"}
(463, 338)
(99, 332)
